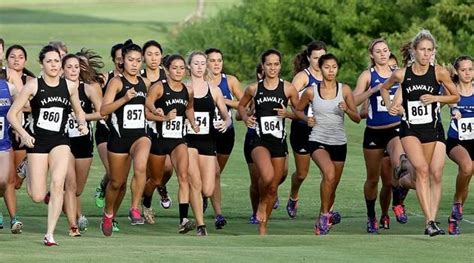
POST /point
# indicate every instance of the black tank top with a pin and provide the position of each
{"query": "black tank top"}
(204, 109)
(50, 108)
(3, 73)
(129, 119)
(413, 87)
(268, 123)
(86, 105)
(172, 100)
(161, 78)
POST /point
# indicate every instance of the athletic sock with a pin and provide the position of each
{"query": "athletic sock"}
(395, 196)
(103, 185)
(370, 208)
(146, 201)
(183, 211)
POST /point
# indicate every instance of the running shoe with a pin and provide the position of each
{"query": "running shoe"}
(99, 197)
(21, 169)
(165, 200)
(253, 220)
(106, 226)
(322, 228)
(205, 203)
(276, 204)
(400, 214)
(292, 207)
(186, 226)
(1, 221)
(432, 229)
(220, 221)
(135, 217)
(201, 231)
(74, 231)
(115, 226)
(82, 223)
(49, 241)
(385, 222)
(335, 218)
(457, 211)
(16, 226)
(372, 226)
(453, 227)
(149, 215)
(47, 197)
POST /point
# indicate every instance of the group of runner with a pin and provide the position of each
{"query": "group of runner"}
(158, 122)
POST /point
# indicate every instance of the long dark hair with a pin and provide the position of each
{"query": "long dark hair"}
(91, 65)
(455, 76)
(19, 47)
(301, 60)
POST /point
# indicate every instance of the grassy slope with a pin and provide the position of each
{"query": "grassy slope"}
(98, 25)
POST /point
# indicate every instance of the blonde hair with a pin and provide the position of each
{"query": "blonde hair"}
(408, 49)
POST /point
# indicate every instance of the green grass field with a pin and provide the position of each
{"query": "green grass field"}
(100, 24)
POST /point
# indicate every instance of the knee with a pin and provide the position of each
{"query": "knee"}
(422, 172)
(116, 184)
(300, 175)
(465, 169)
(207, 191)
(272, 190)
(37, 197)
(372, 182)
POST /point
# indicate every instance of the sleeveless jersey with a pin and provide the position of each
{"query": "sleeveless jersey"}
(50, 108)
(3, 73)
(5, 104)
(417, 115)
(463, 129)
(329, 128)
(162, 75)
(172, 129)
(86, 105)
(312, 81)
(268, 123)
(129, 119)
(225, 89)
(203, 116)
(378, 114)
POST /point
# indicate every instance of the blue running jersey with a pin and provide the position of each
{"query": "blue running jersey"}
(378, 114)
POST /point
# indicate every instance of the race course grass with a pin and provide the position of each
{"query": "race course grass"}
(99, 25)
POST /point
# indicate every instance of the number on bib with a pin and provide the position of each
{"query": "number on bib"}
(466, 128)
(50, 118)
(73, 127)
(272, 125)
(381, 104)
(218, 118)
(202, 120)
(172, 128)
(418, 113)
(134, 116)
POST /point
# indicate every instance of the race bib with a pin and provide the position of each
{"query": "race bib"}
(272, 125)
(381, 104)
(134, 116)
(418, 113)
(73, 127)
(218, 118)
(466, 129)
(2, 128)
(202, 119)
(310, 110)
(50, 118)
(172, 128)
